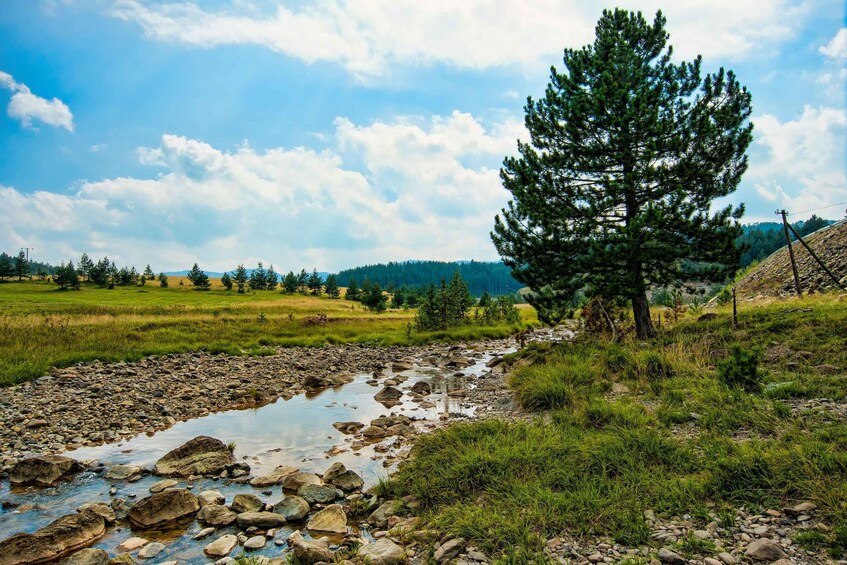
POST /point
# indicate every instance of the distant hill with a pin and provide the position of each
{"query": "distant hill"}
(492, 277)
(764, 238)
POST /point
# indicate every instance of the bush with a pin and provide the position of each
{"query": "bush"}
(741, 369)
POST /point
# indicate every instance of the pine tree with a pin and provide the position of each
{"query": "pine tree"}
(85, 266)
(100, 274)
(628, 151)
(315, 284)
(66, 276)
(21, 266)
(303, 281)
(257, 278)
(353, 291)
(198, 278)
(163, 280)
(240, 278)
(271, 278)
(484, 300)
(331, 287)
(6, 268)
(375, 299)
(289, 283)
(226, 281)
(148, 273)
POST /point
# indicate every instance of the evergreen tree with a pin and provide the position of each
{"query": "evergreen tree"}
(289, 283)
(331, 287)
(198, 278)
(226, 281)
(21, 266)
(628, 150)
(315, 284)
(353, 292)
(148, 273)
(240, 278)
(66, 277)
(6, 268)
(85, 266)
(375, 299)
(271, 279)
(303, 281)
(163, 280)
(100, 274)
(484, 300)
(257, 278)
(367, 285)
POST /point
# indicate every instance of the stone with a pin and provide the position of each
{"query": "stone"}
(104, 510)
(382, 552)
(202, 455)
(123, 473)
(671, 557)
(163, 507)
(216, 515)
(764, 549)
(260, 519)
(373, 432)
(295, 480)
(208, 497)
(334, 470)
(53, 541)
(450, 549)
(204, 533)
(422, 387)
(379, 517)
(316, 493)
(348, 481)
(43, 470)
(131, 544)
(246, 503)
(348, 427)
(254, 543)
(122, 559)
(400, 366)
(162, 485)
(727, 558)
(121, 508)
(151, 550)
(331, 519)
(88, 556)
(275, 477)
(292, 507)
(222, 546)
(309, 552)
(389, 394)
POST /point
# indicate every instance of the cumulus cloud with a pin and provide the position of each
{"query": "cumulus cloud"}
(368, 37)
(26, 106)
(837, 48)
(409, 188)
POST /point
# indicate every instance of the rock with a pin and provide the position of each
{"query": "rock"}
(88, 556)
(802, 508)
(256, 542)
(123, 559)
(296, 480)
(104, 510)
(121, 508)
(131, 544)
(450, 549)
(382, 552)
(275, 477)
(316, 493)
(151, 550)
(163, 507)
(334, 470)
(348, 427)
(422, 388)
(202, 455)
(670, 557)
(389, 394)
(330, 519)
(727, 558)
(309, 552)
(123, 473)
(373, 432)
(260, 519)
(348, 481)
(216, 515)
(764, 549)
(43, 470)
(222, 546)
(53, 541)
(208, 497)
(292, 507)
(400, 366)
(379, 517)
(246, 503)
(162, 485)
(204, 533)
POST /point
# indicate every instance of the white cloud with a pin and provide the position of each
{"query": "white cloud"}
(410, 188)
(368, 37)
(26, 106)
(837, 47)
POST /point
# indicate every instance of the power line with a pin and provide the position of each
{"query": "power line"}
(821, 208)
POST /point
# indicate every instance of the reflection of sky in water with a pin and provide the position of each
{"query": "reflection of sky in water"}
(294, 432)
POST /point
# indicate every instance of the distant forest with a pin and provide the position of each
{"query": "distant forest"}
(494, 278)
(766, 237)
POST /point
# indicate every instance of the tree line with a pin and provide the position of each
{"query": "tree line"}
(761, 240)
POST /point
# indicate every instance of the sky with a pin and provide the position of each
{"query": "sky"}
(337, 133)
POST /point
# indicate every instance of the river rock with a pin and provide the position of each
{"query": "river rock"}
(246, 503)
(296, 480)
(348, 427)
(208, 497)
(121, 508)
(260, 519)
(671, 557)
(348, 481)
(275, 477)
(51, 542)
(309, 552)
(216, 515)
(202, 455)
(330, 519)
(43, 470)
(123, 473)
(764, 550)
(292, 507)
(162, 485)
(88, 556)
(104, 510)
(316, 493)
(256, 542)
(379, 517)
(222, 546)
(422, 388)
(382, 552)
(151, 550)
(122, 559)
(400, 366)
(334, 470)
(163, 507)
(373, 432)
(131, 544)
(388, 394)
(449, 549)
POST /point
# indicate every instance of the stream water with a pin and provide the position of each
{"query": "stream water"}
(296, 432)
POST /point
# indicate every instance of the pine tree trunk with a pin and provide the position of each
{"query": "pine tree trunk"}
(641, 314)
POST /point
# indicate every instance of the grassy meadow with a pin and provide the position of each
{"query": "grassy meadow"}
(41, 327)
(626, 427)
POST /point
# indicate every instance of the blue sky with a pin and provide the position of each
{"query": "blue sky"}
(336, 133)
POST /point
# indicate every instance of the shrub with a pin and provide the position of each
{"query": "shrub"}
(741, 369)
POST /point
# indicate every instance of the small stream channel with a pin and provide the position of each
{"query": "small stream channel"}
(296, 432)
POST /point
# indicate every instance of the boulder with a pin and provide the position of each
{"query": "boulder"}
(309, 552)
(330, 519)
(334, 470)
(162, 485)
(216, 515)
(449, 549)
(53, 541)
(202, 455)
(316, 493)
(88, 556)
(151, 550)
(422, 388)
(43, 470)
(292, 507)
(671, 557)
(106, 511)
(222, 546)
(246, 503)
(764, 550)
(348, 427)
(121, 508)
(123, 473)
(388, 394)
(254, 543)
(122, 559)
(133, 543)
(296, 480)
(275, 477)
(260, 520)
(379, 517)
(382, 552)
(400, 366)
(208, 497)
(348, 481)
(163, 507)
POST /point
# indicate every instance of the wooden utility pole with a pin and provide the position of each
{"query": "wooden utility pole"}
(791, 253)
(815, 257)
(734, 309)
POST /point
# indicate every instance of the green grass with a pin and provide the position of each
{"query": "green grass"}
(680, 442)
(41, 327)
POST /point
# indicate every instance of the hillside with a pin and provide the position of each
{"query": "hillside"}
(773, 276)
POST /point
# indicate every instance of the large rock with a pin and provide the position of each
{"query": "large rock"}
(317, 493)
(309, 552)
(382, 552)
(151, 550)
(331, 519)
(348, 427)
(163, 507)
(53, 541)
(106, 511)
(388, 394)
(296, 480)
(348, 481)
(123, 473)
(216, 515)
(764, 550)
(222, 546)
(202, 455)
(422, 387)
(275, 477)
(88, 556)
(260, 520)
(334, 470)
(292, 507)
(43, 470)
(208, 497)
(380, 516)
(246, 503)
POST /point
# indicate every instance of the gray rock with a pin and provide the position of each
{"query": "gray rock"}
(379, 517)
(309, 552)
(216, 515)
(222, 546)
(43, 470)
(88, 556)
(163, 507)
(260, 519)
(202, 455)
(348, 481)
(382, 552)
(106, 511)
(123, 473)
(246, 503)
(61, 536)
(256, 542)
(292, 507)
(388, 393)
(450, 549)
(764, 550)
(334, 470)
(208, 497)
(331, 519)
(151, 550)
(275, 477)
(670, 557)
(296, 480)
(162, 485)
(316, 493)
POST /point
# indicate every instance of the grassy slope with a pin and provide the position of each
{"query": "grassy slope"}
(598, 460)
(41, 327)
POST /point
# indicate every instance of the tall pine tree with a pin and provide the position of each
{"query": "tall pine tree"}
(239, 276)
(628, 150)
